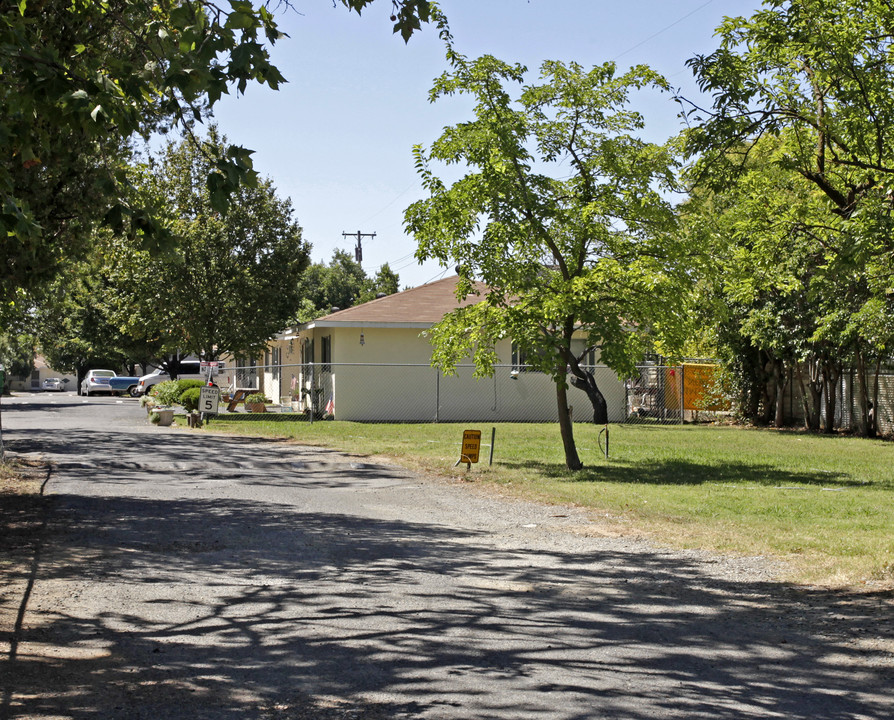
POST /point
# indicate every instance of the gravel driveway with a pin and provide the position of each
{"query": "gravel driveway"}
(188, 575)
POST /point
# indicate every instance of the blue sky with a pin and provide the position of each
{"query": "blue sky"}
(337, 138)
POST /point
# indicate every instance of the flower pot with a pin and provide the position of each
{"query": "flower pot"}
(165, 416)
(255, 407)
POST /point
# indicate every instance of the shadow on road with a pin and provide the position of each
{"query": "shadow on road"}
(215, 602)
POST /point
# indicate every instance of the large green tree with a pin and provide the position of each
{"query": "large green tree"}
(342, 283)
(817, 75)
(83, 78)
(560, 214)
(231, 281)
(763, 282)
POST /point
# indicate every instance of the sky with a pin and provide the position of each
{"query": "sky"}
(337, 138)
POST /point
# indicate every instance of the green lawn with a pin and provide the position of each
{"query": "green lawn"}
(826, 504)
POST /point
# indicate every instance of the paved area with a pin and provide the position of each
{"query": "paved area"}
(188, 575)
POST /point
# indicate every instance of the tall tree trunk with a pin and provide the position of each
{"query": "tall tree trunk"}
(866, 397)
(831, 376)
(566, 427)
(811, 392)
(779, 382)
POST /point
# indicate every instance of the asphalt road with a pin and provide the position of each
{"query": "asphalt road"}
(188, 575)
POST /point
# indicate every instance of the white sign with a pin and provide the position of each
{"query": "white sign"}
(209, 397)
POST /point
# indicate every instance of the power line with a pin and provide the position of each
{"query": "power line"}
(663, 30)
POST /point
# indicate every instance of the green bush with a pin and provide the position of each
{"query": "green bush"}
(185, 385)
(166, 393)
(170, 392)
(257, 398)
(189, 398)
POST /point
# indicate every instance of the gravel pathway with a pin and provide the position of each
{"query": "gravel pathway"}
(191, 576)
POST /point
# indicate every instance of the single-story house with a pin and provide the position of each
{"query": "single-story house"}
(41, 372)
(372, 363)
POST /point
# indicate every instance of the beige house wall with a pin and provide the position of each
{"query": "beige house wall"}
(389, 379)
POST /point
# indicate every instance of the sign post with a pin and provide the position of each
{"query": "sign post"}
(209, 399)
(471, 448)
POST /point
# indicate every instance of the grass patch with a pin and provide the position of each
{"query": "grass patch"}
(825, 504)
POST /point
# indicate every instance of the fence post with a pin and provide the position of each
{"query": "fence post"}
(682, 396)
(313, 392)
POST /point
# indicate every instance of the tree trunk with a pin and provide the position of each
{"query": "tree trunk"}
(584, 380)
(831, 376)
(867, 406)
(572, 460)
(811, 393)
(779, 382)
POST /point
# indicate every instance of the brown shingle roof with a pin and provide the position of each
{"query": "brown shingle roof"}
(417, 307)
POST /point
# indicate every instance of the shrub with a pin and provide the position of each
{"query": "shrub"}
(185, 385)
(147, 399)
(257, 398)
(166, 393)
(189, 398)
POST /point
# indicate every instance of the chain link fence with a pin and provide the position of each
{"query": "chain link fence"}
(515, 393)
(658, 393)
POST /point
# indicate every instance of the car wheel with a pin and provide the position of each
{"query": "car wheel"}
(133, 391)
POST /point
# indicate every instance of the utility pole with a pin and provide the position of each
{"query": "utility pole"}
(358, 249)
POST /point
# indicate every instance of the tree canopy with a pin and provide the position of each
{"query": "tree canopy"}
(560, 214)
(813, 80)
(230, 283)
(83, 78)
(341, 284)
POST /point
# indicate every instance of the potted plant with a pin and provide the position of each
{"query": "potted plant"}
(161, 416)
(148, 402)
(256, 403)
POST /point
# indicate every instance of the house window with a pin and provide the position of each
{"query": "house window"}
(520, 359)
(326, 352)
(276, 360)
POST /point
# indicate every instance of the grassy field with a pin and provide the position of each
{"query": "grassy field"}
(825, 504)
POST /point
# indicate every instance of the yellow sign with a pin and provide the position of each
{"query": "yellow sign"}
(471, 446)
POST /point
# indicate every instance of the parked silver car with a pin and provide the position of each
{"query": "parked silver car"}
(97, 381)
(53, 384)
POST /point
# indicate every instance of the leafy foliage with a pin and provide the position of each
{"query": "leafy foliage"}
(82, 79)
(813, 78)
(190, 398)
(166, 392)
(560, 215)
(232, 281)
(407, 15)
(341, 284)
(17, 353)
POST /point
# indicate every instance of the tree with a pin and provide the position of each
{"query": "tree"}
(385, 282)
(230, 284)
(816, 74)
(560, 214)
(16, 355)
(82, 78)
(72, 325)
(341, 284)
